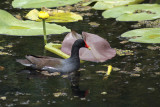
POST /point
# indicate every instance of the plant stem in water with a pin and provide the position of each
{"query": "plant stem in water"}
(44, 31)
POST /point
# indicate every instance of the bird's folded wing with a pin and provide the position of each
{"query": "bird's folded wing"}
(41, 61)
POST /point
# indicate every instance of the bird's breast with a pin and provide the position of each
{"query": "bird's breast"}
(70, 66)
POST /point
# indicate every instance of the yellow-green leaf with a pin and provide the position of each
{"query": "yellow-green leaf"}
(33, 14)
(55, 16)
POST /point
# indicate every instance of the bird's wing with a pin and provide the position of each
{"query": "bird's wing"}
(42, 61)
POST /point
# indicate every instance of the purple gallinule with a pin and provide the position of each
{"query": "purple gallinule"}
(51, 64)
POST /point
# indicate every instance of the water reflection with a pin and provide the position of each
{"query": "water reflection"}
(73, 77)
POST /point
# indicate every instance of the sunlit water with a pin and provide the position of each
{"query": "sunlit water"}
(85, 88)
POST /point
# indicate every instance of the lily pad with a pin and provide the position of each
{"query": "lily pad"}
(41, 3)
(55, 16)
(136, 12)
(145, 35)
(107, 4)
(9, 25)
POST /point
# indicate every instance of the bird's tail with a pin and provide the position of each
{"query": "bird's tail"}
(24, 62)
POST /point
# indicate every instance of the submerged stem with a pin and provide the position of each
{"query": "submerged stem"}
(44, 31)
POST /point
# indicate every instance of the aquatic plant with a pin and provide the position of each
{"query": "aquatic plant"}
(145, 35)
(108, 4)
(137, 12)
(54, 15)
(44, 15)
(41, 3)
(9, 25)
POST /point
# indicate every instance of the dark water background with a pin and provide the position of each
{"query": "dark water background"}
(123, 90)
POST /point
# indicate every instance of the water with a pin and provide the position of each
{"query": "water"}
(120, 89)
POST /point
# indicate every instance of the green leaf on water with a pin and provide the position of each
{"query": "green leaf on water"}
(9, 25)
(107, 4)
(145, 35)
(41, 3)
(137, 12)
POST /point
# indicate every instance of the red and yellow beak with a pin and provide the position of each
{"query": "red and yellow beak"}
(86, 45)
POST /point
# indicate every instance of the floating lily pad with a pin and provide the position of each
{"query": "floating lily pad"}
(145, 35)
(136, 12)
(9, 25)
(55, 16)
(107, 4)
(41, 3)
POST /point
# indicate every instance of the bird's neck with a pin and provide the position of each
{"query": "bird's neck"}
(75, 52)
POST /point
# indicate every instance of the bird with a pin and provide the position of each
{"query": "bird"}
(51, 64)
